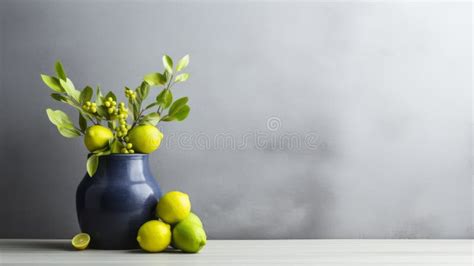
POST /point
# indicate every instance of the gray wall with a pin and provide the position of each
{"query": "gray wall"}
(340, 120)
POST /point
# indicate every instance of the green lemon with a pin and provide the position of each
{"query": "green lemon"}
(192, 218)
(81, 241)
(173, 207)
(189, 237)
(154, 236)
(97, 137)
(145, 138)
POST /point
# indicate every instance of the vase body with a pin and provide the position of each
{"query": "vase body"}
(113, 204)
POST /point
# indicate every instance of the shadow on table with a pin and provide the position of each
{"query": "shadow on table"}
(168, 250)
(65, 246)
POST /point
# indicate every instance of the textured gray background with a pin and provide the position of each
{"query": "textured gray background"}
(385, 87)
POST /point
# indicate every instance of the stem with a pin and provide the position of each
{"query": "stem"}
(76, 105)
(91, 119)
(78, 129)
(169, 82)
(139, 116)
(168, 87)
(138, 119)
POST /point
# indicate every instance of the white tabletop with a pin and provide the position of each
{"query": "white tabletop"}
(251, 252)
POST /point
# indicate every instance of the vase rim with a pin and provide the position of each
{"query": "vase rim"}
(134, 155)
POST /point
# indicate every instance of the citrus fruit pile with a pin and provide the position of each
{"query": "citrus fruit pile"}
(175, 225)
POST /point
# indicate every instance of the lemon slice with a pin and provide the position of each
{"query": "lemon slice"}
(81, 241)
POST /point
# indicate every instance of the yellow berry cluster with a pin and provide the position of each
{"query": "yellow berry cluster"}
(111, 104)
(130, 94)
(91, 107)
(128, 148)
(122, 114)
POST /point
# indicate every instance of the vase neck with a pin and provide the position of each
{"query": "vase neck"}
(133, 167)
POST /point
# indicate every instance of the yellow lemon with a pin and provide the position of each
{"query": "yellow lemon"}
(145, 138)
(154, 236)
(173, 207)
(81, 241)
(189, 236)
(97, 137)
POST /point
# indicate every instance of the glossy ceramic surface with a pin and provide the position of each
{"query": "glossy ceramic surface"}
(117, 200)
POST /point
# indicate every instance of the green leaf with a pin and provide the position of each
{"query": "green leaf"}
(63, 123)
(165, 98)
(135, 109)
(52, 83)
(183, 62)
(168, 118)
(138, 99)
(182, 113)
(68, 86)
(177, 104)
(92, 164)
(68, 131)
(168, 63)
(58, 117)
(167, 75)
(102, 153)
(103, 150)
(98, 97)
(58, 97)
(108, 152)
(111, 124)
(181, 77)
(82, 122)
(143, 90)
(115, 146)
(151, 105)
(60, 71)
(155, 79)
(86, 95)
(85, 114)
(111, 95)
(150, 119)
(102, 111)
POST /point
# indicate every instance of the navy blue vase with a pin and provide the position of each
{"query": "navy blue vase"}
(117, 200)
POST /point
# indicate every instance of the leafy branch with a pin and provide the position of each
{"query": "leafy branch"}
(177, 110)
(95, 108)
